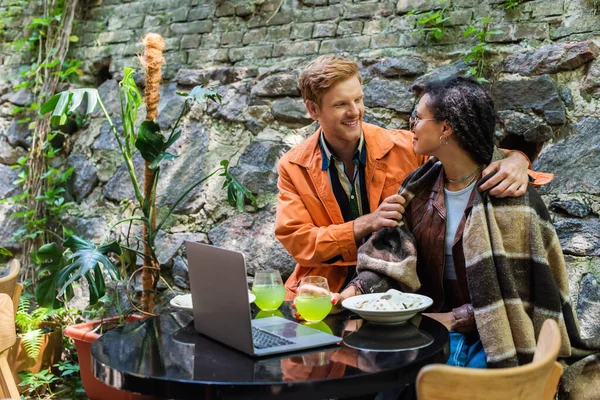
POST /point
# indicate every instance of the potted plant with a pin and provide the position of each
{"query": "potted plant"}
(39, 340)
(60, 267)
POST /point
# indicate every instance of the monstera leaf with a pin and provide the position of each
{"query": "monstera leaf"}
(63, 103)
(51, 261)
(60, 269)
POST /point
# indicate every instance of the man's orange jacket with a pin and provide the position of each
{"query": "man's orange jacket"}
(309, 222)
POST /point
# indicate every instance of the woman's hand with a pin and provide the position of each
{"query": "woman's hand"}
(511, 177)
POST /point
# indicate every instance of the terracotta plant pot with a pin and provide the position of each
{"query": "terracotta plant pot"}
(50, 351)
(83, 337)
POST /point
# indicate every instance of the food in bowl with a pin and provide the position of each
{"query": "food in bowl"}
(392, 300)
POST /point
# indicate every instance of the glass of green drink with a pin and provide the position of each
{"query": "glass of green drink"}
(268, 289)
(313, 300)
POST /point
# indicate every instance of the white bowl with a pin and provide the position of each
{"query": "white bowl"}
(183, 302)
(386, 317)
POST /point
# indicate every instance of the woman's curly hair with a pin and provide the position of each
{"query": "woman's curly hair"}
(469, 110)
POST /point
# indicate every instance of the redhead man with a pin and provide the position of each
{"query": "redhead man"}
(340, 185)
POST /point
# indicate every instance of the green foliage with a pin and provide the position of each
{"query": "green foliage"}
(28, 322)
(509, 4)
(59, 269)
(55, 181)
(475, 56)
(4, 253)
(432, 23)
(37, 384)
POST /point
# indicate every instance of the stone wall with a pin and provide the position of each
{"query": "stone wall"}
(543, 67)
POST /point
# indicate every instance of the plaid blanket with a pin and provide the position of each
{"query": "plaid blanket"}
(516, 275)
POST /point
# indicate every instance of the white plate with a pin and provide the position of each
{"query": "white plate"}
(386, 317)
(183, 302)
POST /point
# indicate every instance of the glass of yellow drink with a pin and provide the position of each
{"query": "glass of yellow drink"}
(268, 289)
(313, 299)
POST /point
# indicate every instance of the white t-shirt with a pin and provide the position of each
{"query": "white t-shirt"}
(456, 202)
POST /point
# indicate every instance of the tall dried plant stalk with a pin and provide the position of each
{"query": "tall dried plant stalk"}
(152, 61)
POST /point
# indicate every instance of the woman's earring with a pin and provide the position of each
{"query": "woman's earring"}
(443, 140)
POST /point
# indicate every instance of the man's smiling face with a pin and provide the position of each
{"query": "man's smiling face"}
(341, 112)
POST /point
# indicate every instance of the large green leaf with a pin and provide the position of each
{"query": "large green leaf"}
(149, 141)
(199, 94)
(236, 191)
(51, 261)
(152, 145)
(58, 271)
(5, 252)
(87, 257)
(63, 103)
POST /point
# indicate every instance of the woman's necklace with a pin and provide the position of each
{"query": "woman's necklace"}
(463, 178)
(473, 176)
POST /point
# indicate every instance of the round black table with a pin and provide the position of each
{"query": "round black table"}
(165, 357)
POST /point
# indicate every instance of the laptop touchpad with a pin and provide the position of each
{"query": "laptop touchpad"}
(290, 330)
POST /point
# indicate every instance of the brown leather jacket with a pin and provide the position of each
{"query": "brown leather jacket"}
(426, 218)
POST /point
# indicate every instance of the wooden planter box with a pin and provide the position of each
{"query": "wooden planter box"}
(50, 351)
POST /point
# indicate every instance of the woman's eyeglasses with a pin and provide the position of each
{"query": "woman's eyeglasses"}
(414, 120)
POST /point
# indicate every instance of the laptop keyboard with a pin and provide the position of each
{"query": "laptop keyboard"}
(264, 340)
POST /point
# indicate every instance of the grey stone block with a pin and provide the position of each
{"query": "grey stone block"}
(571, 207)
(579, 24)
(322, 30)
(254, 36)
(368, 10)
(281, 18)
(279, 83)
(199, 57)
(285, 49)
(395, 67)
(574, 160)
(279, 33)
(199, 13)
(178, 15)
(290, 111)
(210, 40)
(116, 37)
(591, 83)
(458, 17)
(132, 22)
(405, 6)
(552, 58)
(190, 41)
(225, 9)
(231, 38)
(318, 14)
(376, 26)
(250, 52)
(543, 8)
(183, 28)
(345, 44)
(84, 179)
(302, 31)
(579, 237)
(382, 40)
(394, 95)
(402, 23)
(347, 28)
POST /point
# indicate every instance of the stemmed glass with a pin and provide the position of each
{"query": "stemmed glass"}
(268, 289)
(313, 299)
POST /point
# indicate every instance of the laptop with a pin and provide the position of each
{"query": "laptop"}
(222, 309)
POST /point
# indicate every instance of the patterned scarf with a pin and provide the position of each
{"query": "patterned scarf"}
(515, 271)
